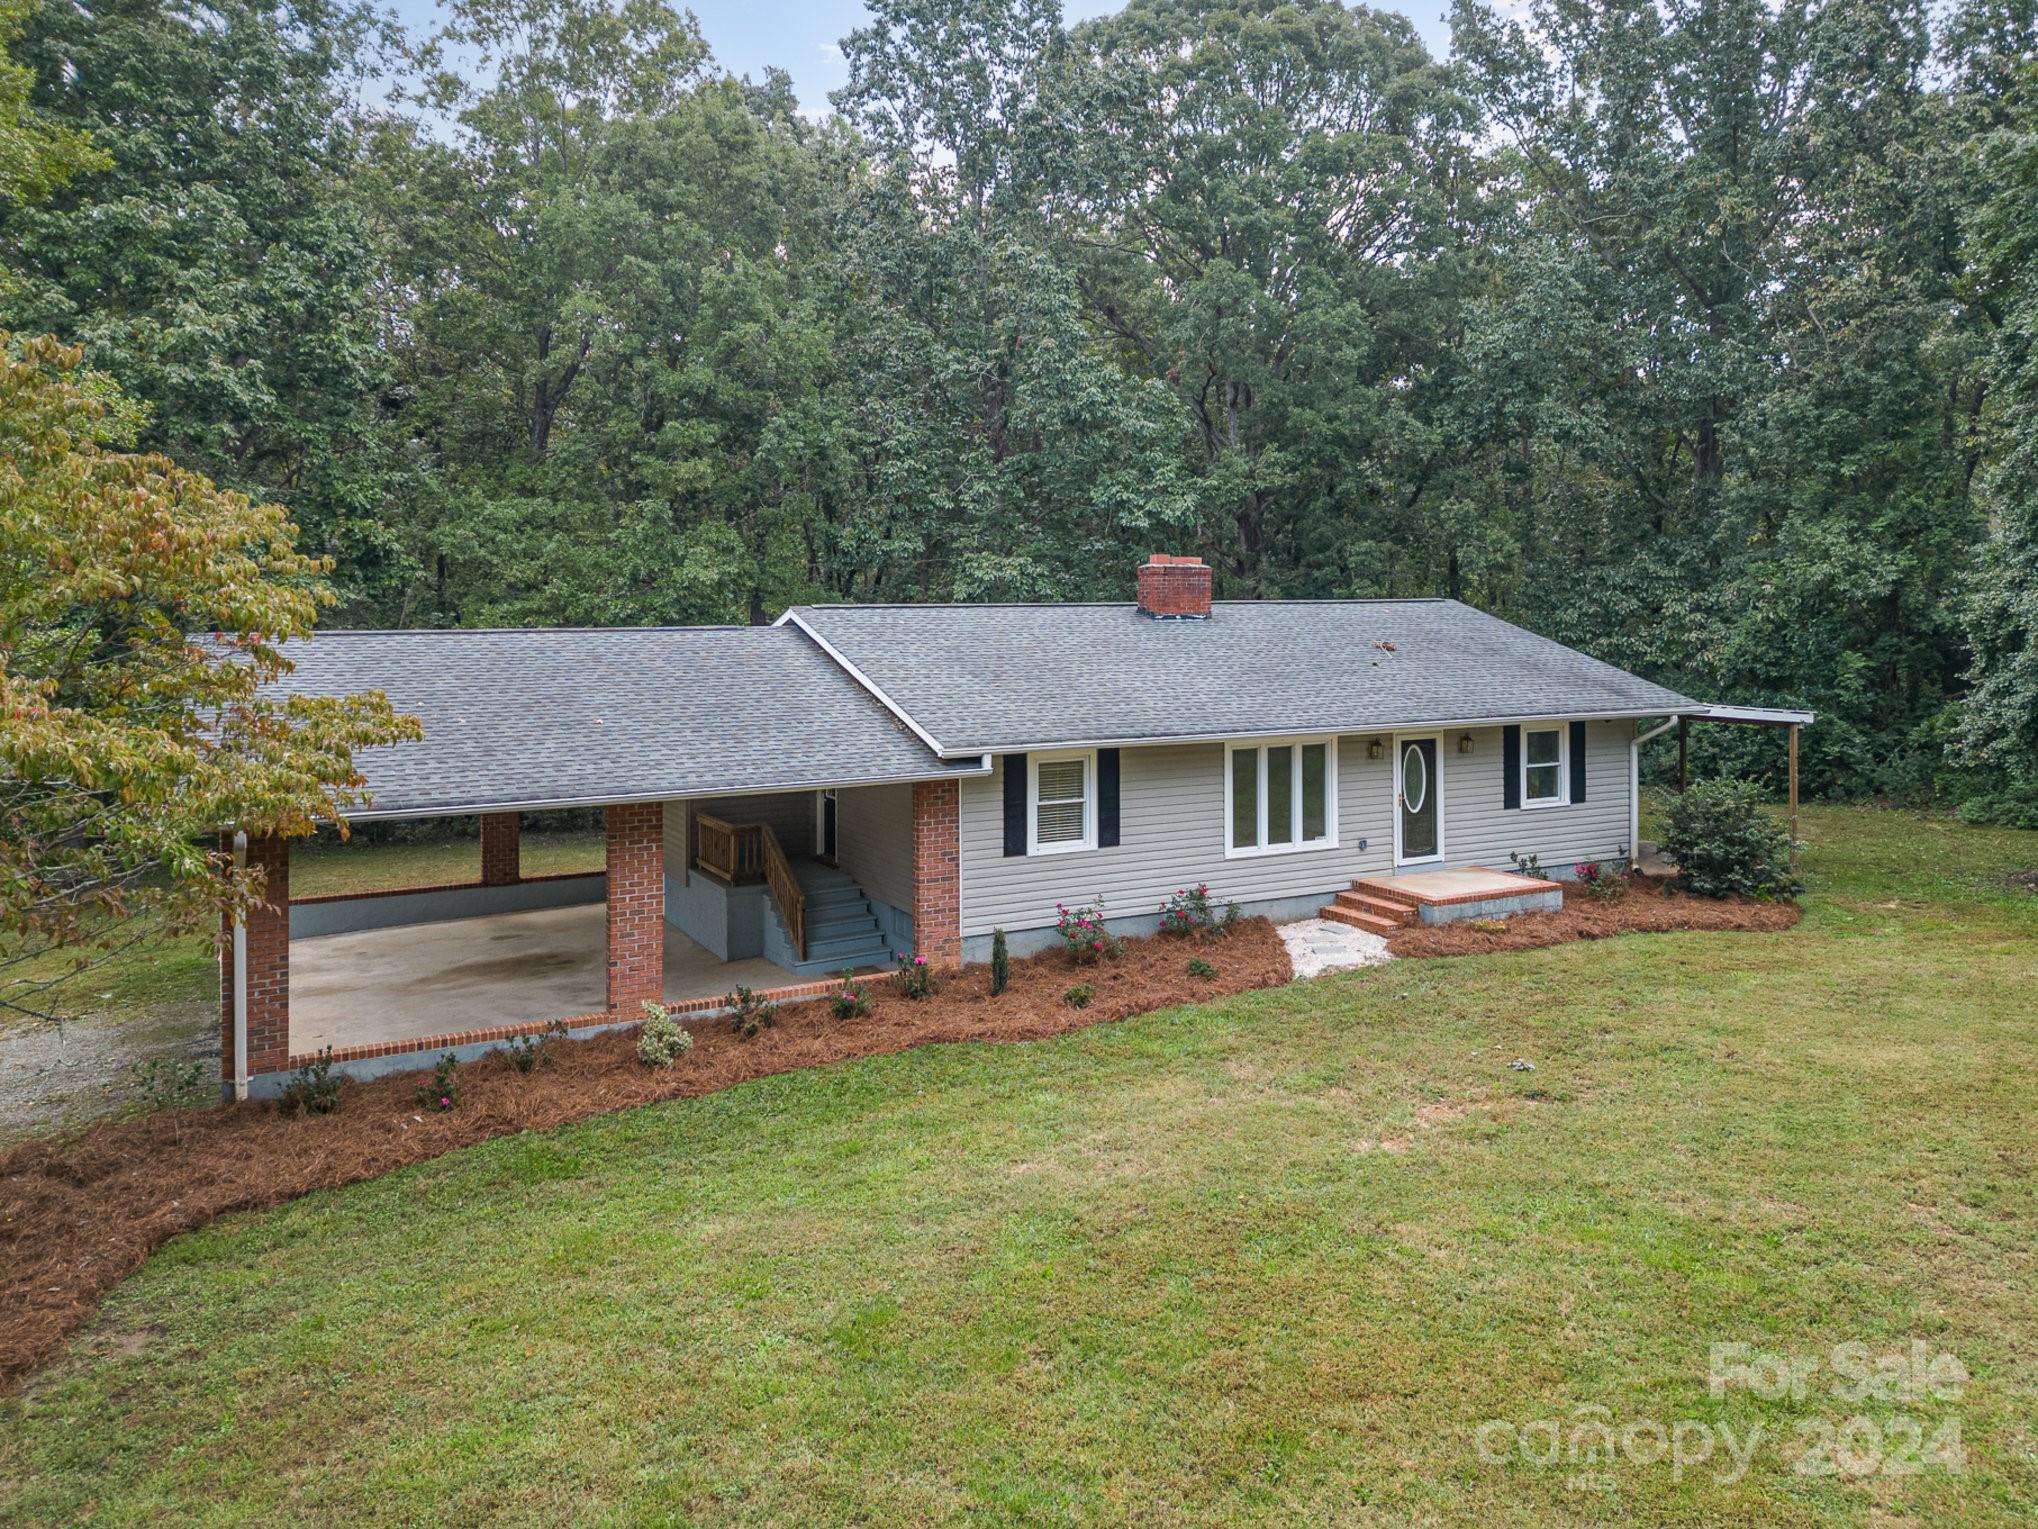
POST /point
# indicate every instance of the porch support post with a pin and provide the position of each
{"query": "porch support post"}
(501, 849)
(937, 872)
(1793, 796)
(636, 904)
(1683, 753)
(254, 969)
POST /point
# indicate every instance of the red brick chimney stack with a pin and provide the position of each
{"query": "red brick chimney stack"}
(1174, 588)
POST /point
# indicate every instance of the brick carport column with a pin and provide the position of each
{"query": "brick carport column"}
(636, 904)
(937, 872)
(501, 849)
(268, 956)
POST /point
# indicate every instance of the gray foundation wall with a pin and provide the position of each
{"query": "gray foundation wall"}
(1028, 942)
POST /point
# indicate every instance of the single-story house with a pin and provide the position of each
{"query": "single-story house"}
(783, 803)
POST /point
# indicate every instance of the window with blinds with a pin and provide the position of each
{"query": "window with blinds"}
(1064, 812)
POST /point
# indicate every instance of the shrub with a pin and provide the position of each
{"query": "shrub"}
(1079, 996)
(1001, 963)
(852, 1002)
(1198, 967)
(1527, 865)
(312, 1089)
(1725, 845)
(661, 1042)
(914, 978)
(165, 1083)
(1189, 912)
(1606, 880)
(1083, 934)
(525, 1052)
(752, 1012)
(2014, 808)
(442, 1092)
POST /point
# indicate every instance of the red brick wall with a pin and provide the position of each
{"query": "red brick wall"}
(268, 965)
(937, 872)
(1174, 586)
(636, 899)
(501, 852)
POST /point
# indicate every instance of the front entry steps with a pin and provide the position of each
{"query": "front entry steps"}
(842, 928)
(1371, 911)
(1382, 904)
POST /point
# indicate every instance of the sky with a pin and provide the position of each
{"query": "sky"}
(800, 36)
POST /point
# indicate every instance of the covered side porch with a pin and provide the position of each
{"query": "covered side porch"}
(694, 898)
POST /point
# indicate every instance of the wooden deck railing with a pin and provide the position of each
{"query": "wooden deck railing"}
(785, 891)
(741, 853)
(733, 851)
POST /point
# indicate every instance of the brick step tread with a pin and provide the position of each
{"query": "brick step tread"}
(1386, 891)
(1372, 923)
(1382, 907)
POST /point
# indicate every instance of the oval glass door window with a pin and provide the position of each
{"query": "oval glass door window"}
(1414, 779)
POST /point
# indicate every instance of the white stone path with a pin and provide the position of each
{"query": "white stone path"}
(1317, 945)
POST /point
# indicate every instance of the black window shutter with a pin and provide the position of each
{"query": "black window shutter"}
(1577, 761)
(1107, 798)
(1510, 766)
(1015, 804)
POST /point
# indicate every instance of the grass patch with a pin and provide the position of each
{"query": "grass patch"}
(1166, 1270)
(322, 866)
(146, 978)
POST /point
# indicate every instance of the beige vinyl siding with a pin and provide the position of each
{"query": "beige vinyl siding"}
(1171, 834)
(1172, 831)
(874, 841)
(1479, 830)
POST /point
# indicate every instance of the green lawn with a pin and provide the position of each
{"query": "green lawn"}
(183, 969)
(1267, 1259)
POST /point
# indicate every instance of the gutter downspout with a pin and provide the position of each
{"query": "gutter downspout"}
(240, 960)
(1635, 789)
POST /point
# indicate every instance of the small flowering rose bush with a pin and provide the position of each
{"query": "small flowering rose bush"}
(1606, 880)
(850, 1000)
(1189, 912)
(1083, 934)
(914, 978)
(442, 1090)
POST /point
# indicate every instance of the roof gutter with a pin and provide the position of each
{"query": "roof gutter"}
(1292, 731)
(555, 803)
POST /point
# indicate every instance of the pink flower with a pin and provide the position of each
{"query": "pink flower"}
(919, 960)
(445, 1102)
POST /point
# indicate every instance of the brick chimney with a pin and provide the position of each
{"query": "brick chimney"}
(1174, 588)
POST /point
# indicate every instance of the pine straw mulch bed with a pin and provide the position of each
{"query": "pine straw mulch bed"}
(80, 1213)
(1652, 906)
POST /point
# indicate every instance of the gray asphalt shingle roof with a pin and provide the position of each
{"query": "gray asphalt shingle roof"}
(992, 677)
(521, 718)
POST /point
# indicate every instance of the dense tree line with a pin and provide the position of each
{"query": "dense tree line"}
(1703, 335)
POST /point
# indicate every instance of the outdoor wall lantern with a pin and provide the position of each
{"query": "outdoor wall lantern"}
(1464, 743)
(1375, 748)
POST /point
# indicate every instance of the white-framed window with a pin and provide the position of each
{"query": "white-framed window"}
(1545, 766)
(1280, 794)
(1061, 802)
